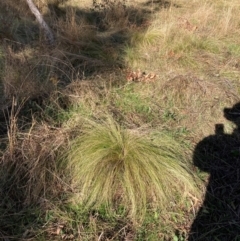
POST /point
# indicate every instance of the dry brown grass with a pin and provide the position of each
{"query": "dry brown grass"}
(30, 162)
(23, 75)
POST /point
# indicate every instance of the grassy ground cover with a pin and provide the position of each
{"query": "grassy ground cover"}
(127, 128)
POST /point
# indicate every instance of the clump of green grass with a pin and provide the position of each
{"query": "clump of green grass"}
(115, 167)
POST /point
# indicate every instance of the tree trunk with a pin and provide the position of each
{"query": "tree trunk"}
(47, 31)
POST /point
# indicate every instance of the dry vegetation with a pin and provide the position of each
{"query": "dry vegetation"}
(98, 132)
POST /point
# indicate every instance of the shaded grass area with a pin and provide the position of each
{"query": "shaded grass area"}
(49, 97)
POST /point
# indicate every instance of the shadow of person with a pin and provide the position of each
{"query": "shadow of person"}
(219, 155)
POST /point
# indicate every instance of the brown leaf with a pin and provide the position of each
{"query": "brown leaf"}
(140, 76)
(185, 24)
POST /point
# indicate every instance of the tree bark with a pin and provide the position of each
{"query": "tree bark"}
(47, 31)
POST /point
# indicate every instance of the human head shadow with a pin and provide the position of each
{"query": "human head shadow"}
(219, 155)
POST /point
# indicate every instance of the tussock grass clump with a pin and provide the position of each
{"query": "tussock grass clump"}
(29, 173)
(116, 167)
(29, 163)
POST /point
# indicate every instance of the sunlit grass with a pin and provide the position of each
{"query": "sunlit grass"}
(115, 166)
(177, 39)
